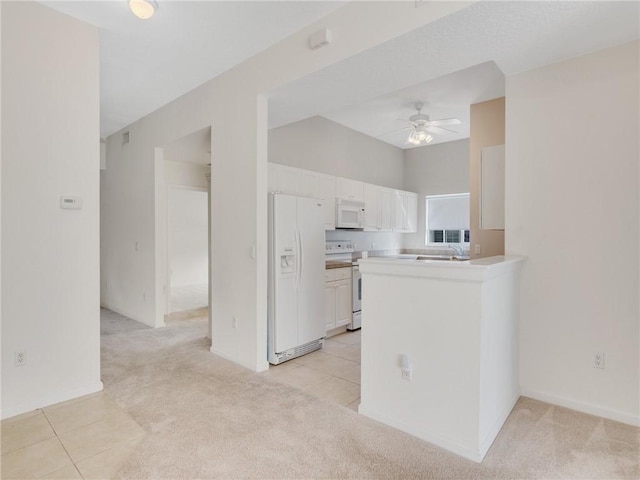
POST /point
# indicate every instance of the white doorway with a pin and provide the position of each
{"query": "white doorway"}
(187, 248)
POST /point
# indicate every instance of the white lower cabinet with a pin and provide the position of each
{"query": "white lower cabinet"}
(337, 297)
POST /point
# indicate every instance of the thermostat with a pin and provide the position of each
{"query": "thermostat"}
(71, 203)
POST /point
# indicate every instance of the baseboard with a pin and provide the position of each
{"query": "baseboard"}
(259, 367)
(125, 313)
(609, 413)
(485, 444)
(428, 436)
(47, 400)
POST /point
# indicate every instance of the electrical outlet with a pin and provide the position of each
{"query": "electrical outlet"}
(477, 250)
(598, 360)
(406, 374)
(235, 322)
(21, 358)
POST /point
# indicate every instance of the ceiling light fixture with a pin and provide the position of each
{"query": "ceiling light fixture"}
(143, 9)
(419, 136)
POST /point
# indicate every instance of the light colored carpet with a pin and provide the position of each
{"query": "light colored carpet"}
(207, 418)
(188, 297)
(112, 323)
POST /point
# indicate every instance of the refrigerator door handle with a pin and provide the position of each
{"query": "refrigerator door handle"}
(298, 260)
(301, 257)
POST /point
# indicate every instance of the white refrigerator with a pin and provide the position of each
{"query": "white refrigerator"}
(296, 277)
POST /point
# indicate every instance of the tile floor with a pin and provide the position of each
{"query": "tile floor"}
(89, 437)
(332, 373)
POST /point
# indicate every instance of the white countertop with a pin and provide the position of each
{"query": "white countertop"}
(471, 270)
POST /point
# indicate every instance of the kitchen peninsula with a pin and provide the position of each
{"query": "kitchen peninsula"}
(451, 328)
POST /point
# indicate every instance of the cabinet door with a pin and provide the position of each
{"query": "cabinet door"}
(399, 218)
(348, 189)
(330, 305)
(412, 212)
(273, 178)
(343, 302)
(371, 207)
(327, 188)
(290, 180)
(386, 210)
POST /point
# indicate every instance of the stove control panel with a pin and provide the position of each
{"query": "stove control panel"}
(338, 246)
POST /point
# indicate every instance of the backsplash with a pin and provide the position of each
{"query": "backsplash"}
(367, 240)
(383, 243)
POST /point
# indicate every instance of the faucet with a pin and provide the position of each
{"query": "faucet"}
(458, 249)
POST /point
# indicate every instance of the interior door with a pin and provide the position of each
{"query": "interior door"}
(311, 301)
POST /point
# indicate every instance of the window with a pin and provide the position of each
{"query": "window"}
(447, 219)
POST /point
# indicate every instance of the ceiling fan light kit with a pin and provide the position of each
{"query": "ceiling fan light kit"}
(422, 125)
(419, 136)
(143, 9)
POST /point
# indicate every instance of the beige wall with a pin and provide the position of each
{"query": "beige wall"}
(572, 208)
(487, 129)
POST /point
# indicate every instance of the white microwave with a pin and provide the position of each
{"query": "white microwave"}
(349, 214)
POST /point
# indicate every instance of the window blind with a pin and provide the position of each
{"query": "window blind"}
(448, 212)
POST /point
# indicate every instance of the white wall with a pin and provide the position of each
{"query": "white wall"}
(572, 207)
(321, 145)
(186, 174)
(50, 256)
(235, 105)
(188, 237)
(434, 170)
(458, 326)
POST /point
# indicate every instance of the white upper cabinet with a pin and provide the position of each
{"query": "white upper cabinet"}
(379, 208)
(327, 191)
(387, 206)
(412, 212)
(372, 194)
(274, 183)
(348, 189)
(405, 212)
(400, 211)
(386, 209)
(305, 183)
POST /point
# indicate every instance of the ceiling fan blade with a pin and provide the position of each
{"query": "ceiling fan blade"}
(394, 131)
(439, 131)
(445, 121)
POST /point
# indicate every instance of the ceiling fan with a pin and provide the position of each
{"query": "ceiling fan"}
(421, 126)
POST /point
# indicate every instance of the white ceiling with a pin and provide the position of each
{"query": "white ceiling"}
(367, 91)
(386, 116)
(145, 64)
